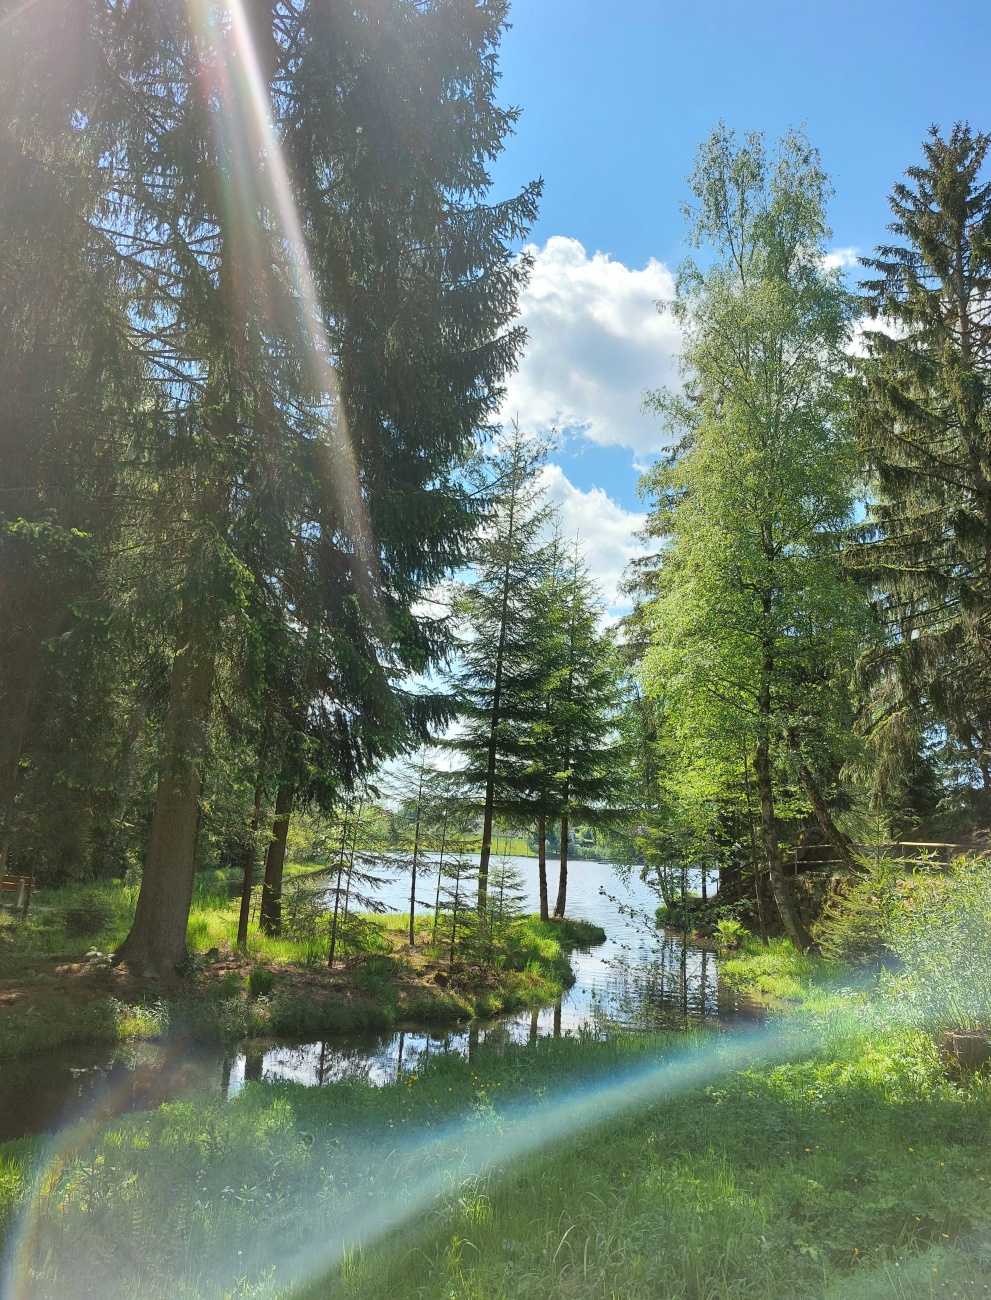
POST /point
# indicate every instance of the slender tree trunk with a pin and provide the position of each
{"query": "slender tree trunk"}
(416, 859)
(440, 877)
(270, 920)
(248, 876)
(490, 765)
(156, 944)
(542, 866)
(826, 824)
(337, 890)
(562, 881)
(21, 711)
(754, 852)
(769, 833)
(336, 914)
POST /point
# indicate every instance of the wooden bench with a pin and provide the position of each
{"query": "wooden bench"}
(22, 886)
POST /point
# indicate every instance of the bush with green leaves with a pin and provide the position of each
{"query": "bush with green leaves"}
(859, 918)
(940, 931)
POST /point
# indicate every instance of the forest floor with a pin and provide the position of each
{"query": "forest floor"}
(57, 985)
(831, 1156)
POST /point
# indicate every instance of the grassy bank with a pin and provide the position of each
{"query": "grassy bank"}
(836, 1153)
(56, 985)
(857, 1168)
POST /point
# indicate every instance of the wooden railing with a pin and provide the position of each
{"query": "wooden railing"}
(22, 886)
(934, 854)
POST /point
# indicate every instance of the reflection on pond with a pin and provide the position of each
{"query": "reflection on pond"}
(639, 980)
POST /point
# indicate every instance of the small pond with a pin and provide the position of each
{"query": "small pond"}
(639, 979)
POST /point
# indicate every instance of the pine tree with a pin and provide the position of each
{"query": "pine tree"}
(923, 413)
(584, 705)
(352, 343)
(495, 673)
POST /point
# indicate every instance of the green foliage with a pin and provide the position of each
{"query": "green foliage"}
(732, 933)
(923, 412)
(856, 923)
(752, 623)
(940, 932)
(236, 458)
(261, 982)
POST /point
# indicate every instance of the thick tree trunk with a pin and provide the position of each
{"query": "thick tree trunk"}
(790, 919)
(542, 867)
(248, 873)
(270, 920)
(19, 705)
(156, 944)
(826, 824)
(562, 881)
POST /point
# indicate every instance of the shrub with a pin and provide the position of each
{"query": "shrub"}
(858, 920)
(87, 914)
(941, 932)
(732, 933)
(260, 982)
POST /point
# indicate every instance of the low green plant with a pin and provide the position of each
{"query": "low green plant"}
(261, 982)
(847, 1171)
(941, 934)
(732, 933)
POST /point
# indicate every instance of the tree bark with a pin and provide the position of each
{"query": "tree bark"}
(248, 876)
(490, 769)
(542, 866)
(826, 824)
(416, 862)
(270, 920)
(790, 919)
(562, 881)
(156, 944)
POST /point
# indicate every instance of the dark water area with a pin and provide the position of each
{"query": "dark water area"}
(639, 980)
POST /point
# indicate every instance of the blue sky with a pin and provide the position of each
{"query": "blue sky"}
(615, 98)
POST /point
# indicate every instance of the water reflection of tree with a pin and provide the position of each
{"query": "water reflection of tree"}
(671, 987)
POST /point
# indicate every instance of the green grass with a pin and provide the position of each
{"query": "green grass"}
(776, 973)
(527, 967)
(833, 1175)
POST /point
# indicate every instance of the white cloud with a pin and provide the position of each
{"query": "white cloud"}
(605, 528)
(596, 341)
(842, 259)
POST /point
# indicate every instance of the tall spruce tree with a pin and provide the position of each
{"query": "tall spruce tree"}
(583, 711)
(923, 414)
(71, 397)
(287, 202)
(561, 759)
(495, 675)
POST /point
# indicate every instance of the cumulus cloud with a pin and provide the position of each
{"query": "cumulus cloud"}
(842, 258)
(595, 342)
(606, 530)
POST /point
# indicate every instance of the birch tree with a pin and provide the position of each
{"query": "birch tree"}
(754, 619)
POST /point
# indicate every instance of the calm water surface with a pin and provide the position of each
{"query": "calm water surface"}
(639, 979)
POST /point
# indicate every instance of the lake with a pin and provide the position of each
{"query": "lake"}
(640, 979)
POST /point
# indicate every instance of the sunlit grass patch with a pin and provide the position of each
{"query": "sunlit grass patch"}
(777, 971)
(816, 1177)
